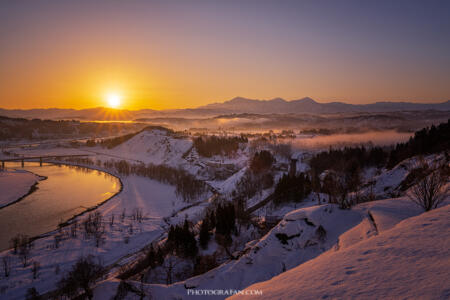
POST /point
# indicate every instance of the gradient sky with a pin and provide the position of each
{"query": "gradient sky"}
(177, 54)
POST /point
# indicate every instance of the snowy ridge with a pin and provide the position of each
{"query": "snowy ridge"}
(409, 261)
(156, 147)
(295, 240)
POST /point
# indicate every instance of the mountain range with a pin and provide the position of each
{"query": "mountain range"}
(234, 106)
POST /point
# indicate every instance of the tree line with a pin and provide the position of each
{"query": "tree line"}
(429, 140)
(208, 146)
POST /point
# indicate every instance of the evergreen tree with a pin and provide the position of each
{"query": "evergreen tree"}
(204, 234)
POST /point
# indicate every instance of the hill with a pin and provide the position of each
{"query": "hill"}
(409, 261)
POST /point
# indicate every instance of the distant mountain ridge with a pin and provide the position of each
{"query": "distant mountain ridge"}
(308, 105)
(237, 105)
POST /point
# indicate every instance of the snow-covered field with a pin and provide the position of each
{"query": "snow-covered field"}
(15, 184)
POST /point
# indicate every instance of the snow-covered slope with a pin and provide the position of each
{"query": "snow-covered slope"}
(154, 146)
(302, 235)
(409, 261)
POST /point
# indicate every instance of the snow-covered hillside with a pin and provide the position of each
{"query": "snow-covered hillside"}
(303, 235)
(409, 261)
(154, 146)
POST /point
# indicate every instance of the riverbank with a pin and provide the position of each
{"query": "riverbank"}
(15, 185)
(123, 235)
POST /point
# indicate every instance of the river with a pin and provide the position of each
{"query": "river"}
(67, 191)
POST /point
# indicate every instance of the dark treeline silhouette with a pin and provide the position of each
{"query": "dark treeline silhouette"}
(208, 146)
(429, 140)
(181, 241)
(81, 278)
(292, 188)
(339, 159)
(261, 161)
(35, 129)
(223, 220)
(112, 142)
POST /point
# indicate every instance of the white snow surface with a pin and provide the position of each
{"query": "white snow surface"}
(15, 184)
(269, 257)
(154, 146)
(408, 261)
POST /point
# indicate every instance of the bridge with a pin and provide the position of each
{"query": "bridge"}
(40, 158)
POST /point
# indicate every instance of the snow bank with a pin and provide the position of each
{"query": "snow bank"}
(303, 235)
(15, 184)
(408, 261)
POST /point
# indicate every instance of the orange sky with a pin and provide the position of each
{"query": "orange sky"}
(163, 55)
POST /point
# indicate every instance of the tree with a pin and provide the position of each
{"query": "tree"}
(32, 294)
(6, 264)
(261, 161)
(429, 192)
(168, 266)
(204, 234)
(35, 269)
(82, 277)
(316, 185)
(24, 250)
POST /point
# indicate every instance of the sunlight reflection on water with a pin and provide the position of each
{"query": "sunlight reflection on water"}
(67, 191)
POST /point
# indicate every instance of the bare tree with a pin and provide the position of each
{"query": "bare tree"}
(169, 265)
(73, 229)
(429, 192)
(57, 239)
(82, 277)
(111, 220)
(25, 245)
(99, 236)
(6, 264)
(32, 294)
(35, 269)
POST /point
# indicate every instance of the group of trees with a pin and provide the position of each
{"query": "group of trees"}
(344, 168)
(429, 140)
(261, 161)
(181, 241)
(81, 278)
(348, 157)
(257, 178)
(208, 146)
(187, 186)
(223, 220)
(292, 188)
(19, 128)
(22, 246)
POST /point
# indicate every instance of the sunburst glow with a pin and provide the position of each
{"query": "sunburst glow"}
(113, 100)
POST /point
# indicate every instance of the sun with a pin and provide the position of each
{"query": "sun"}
(113, 100)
